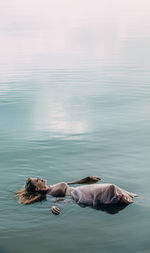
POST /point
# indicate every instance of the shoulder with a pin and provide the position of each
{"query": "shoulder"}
(58, 190)
(60, 185)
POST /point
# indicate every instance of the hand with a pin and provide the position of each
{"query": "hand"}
(92, 180)
(86, 180)
(55, 210)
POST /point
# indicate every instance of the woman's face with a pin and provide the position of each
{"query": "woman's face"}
(39, 183)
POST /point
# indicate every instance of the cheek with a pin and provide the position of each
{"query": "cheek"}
(42, 184)
(38, 185)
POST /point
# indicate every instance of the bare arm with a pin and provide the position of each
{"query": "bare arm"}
(86, 180)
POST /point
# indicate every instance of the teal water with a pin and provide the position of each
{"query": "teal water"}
(74, 101)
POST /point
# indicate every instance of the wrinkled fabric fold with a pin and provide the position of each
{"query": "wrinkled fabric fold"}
(101, 194)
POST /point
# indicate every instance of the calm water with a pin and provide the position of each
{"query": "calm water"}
(74, 101)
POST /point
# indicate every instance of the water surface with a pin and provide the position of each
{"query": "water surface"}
(74, 101)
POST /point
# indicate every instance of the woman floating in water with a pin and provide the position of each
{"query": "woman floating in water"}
(36, 189)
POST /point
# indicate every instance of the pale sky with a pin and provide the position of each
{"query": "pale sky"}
(65, 32)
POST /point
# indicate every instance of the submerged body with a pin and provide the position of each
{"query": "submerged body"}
(93, 194)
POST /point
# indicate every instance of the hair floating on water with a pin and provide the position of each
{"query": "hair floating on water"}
(29, 195)
(27, 198)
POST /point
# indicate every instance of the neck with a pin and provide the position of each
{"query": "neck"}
(49, 188)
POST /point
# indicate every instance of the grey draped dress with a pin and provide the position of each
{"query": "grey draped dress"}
(93, 194)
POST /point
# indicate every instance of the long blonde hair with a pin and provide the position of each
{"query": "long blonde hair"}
(29, 195)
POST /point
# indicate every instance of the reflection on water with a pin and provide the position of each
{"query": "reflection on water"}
(74, 101)
(110, 209)
(52, 113)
